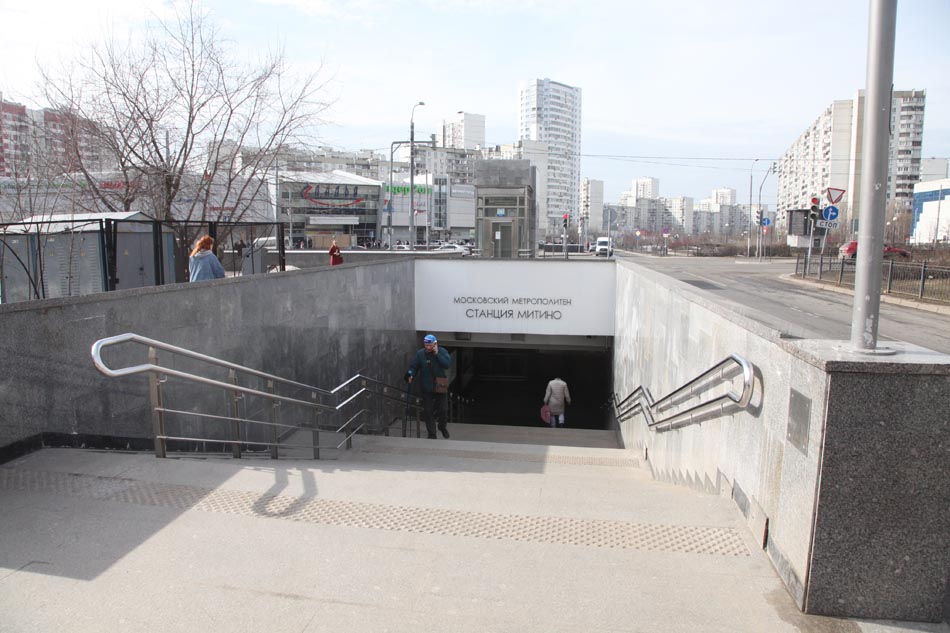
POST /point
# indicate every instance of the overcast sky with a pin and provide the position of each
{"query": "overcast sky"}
(688, 91)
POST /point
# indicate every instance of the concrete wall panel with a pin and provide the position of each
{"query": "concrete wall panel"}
(317, 326)
(874, 448)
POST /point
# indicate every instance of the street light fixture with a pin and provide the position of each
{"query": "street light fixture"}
(759, 246)
(748, 246)
(412, 176)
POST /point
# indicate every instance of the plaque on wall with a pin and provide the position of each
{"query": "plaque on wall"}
(799, 416)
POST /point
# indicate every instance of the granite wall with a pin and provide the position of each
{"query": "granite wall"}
(851, 511)
(317, 326)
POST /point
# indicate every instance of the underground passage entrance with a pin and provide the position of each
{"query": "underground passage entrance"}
(506, 385)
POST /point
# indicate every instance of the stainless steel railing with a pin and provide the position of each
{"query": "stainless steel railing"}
(641, 401)
(158, 374)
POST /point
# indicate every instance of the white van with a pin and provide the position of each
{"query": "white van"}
(269, 243)
(605, 247)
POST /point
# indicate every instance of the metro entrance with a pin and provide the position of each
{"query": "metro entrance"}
(506, 386)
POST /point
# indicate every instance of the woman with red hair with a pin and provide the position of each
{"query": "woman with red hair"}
(203, 263)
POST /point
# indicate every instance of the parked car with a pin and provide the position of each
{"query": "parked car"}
(401, 247)
(454, 248)
(849, 250)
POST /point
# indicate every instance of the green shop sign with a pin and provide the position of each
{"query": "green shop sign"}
(404, 189)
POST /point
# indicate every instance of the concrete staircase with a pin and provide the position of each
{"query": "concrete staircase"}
(399, 534)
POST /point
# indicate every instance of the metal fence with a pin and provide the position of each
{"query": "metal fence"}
(62, 256)
(906, 279)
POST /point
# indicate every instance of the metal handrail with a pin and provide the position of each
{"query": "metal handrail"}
(99, 345)
(641, 401)
(158, 372)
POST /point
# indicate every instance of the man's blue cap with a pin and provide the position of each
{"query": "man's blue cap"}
(429, 339)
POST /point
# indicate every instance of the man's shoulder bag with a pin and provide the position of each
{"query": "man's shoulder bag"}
(440, 384)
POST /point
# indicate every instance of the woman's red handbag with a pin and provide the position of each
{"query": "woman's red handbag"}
(546, 414)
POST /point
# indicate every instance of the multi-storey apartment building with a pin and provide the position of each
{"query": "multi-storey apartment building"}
(681, 208)
(645, 188)
(592, 207)
(828, 154)
(15, 124)
(550, 112)
(724, 195)
(464, 131)
(364, 163)
(45, 143)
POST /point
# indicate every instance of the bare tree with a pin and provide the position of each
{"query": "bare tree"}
(172, 111)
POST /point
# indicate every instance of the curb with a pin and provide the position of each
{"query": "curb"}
(885, 298)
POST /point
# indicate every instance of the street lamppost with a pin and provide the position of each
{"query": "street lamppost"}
(748, 246)
(758, 234)
(412, 176)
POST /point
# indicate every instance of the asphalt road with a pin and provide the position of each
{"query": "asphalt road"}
(761, 291)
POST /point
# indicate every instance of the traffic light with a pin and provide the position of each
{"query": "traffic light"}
(565, 220)
(814, 213)
(758, 217)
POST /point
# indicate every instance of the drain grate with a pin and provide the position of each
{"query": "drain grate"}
(458, 523)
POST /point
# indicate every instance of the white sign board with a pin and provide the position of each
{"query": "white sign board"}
(827, 224)
(559, 297)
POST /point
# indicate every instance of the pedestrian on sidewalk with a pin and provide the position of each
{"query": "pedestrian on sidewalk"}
(203, 263)
(557, 396)
(429, 365)
(335, 256)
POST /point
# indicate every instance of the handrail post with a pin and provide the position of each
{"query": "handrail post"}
(315, 432)
(890, 276)
(406, 428)
(841, 264)
(235, 412)
(155, 400)
(923, 280)
(418, 420)
(274, 412)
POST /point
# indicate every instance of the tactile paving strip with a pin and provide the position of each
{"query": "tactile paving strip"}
(573, 460)
(460, 523)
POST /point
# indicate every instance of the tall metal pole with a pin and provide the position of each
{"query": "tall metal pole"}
(759, 245)
(748, 246)
(937, 224)
(412, 177)
(392, 151)
(882, 24)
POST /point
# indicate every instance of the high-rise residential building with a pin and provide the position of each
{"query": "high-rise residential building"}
(724, 195)
(933, 169)
(627, 198)
(47, 142)
(681, 209)
(645, 188)
(828, 154)
(15, 125)
(550, 112)
(592, 206)
(464, 131)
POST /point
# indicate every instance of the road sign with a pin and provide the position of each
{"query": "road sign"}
(766, 221)
(827, 224)
(830, 212)
(834, 195)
